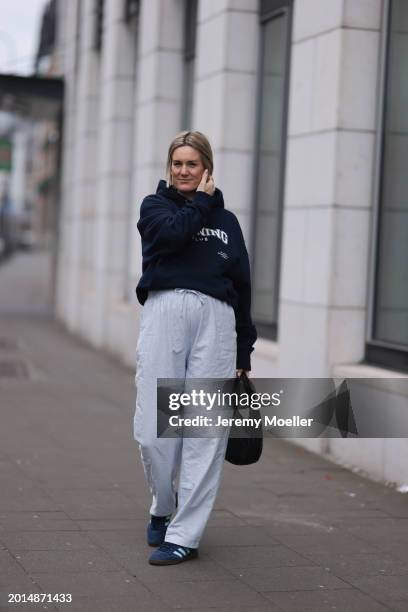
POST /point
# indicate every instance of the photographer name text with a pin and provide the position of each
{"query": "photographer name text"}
(266, 421)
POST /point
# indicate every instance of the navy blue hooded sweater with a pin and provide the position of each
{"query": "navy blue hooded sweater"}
(197, 245)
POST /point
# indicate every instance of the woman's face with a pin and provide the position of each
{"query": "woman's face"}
(186, 169)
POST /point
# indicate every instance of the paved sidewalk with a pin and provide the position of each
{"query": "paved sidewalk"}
(292, 533)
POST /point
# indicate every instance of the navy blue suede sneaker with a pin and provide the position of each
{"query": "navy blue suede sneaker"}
(170, 554)
(156, 529)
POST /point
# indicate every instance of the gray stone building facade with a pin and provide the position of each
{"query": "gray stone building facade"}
(303, 102)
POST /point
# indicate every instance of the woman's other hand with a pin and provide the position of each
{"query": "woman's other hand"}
(207, 184)
(240, 371)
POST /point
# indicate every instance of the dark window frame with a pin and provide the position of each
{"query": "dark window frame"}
(377, 352)
(189, 55)
(271, 9)
(97, 39)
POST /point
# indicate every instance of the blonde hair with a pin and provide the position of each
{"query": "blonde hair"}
(197, 141)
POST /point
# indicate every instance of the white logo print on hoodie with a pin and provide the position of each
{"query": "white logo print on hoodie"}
(207, 231)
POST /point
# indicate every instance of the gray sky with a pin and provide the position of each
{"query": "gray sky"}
(19, 32)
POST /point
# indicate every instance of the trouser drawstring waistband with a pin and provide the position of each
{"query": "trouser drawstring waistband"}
(197, 293)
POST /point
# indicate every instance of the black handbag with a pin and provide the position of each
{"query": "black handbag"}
(245, 442)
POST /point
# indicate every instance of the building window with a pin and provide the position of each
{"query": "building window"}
(190, 36)
(270, 149)
(47, 36)
(388, 333)
(131, 10)
(98, 25)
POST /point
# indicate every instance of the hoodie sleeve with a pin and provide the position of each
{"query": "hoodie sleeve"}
(246, 330)
(165, 231)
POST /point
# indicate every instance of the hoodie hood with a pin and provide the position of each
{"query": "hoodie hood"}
(179, 199)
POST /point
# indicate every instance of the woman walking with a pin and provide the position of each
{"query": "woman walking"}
(196, 323)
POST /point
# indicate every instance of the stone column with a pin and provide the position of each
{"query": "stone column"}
(225, 96)
(329, 174)
(66, 24)
(114, 155)
(159, 92)
(79, 167)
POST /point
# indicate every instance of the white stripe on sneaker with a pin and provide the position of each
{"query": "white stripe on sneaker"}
(183, 551)
(178, 554)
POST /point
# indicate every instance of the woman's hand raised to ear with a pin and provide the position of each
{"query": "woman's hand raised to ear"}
(206, 184)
